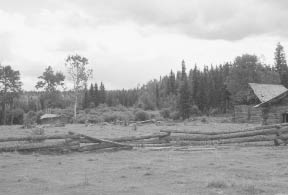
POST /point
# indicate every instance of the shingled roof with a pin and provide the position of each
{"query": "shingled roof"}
(49, 116)
(267, 92)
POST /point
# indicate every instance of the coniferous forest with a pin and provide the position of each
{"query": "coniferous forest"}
(178, 95)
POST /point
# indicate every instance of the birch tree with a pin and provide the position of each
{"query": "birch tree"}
(79, 74)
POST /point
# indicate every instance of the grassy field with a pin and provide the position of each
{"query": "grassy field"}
(226, 170)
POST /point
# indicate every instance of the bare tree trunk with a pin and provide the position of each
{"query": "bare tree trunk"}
(75, 108)
(75, 105)
(4, 113)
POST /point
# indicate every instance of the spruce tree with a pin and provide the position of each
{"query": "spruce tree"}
(172, 83)
(91, 94)
(183, 72)
(96, 95)
(281, 64)
(102, 94)
(184, 95)
(157, 96)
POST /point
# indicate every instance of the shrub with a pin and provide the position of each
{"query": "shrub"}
(39, 114)
(16, 116)
(214, 111)
(204, 120)
(217, 184)
(141, 115)
(155, 115)
(30, 119)
(175, 115)
(109, 117)
(195, 110)
(165, 113)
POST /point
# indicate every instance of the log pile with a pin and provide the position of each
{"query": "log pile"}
(277, 134)
(73, 142)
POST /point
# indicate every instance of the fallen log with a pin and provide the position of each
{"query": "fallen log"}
(99, 146)
(150, 145)
(145, 122)
(156, 136)
(32, 146)
(259, 138)
(192, 149)
(114, 149)
(276, 126)
(229, 136)
(38, 138)
(147, 141)
(134, 138)
(104, 141)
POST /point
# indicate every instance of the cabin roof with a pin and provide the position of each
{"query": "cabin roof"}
(268, 93)
(49, 116)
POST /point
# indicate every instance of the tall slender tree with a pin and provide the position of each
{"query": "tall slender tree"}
(96, 94)
(10, 86)
(86, 98)
(281, 64)
(79, 74)
(91, 94)
(102, 94)
(184, 96)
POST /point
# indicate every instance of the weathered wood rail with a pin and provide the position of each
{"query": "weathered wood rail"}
(274, 133)
(79, 143)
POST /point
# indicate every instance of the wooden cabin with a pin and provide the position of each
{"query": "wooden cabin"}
(50, 119)
(272, 107)
(54, 119)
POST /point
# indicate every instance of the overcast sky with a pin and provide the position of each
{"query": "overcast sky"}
(130, 42)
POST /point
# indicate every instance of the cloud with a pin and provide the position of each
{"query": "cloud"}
(72, 45)
(131, 42)
(205, 19)
(5, 50)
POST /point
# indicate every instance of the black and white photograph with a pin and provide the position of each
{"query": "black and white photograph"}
(143, 97)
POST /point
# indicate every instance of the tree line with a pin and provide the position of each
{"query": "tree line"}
(179, 94)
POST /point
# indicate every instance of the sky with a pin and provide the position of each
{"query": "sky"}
(130, 42)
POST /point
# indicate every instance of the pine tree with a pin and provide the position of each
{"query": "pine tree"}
(184, 95)
(196, 85)
(96, 95)
(102, 94)
(281, 64)
(183, 73)
(91, 94)
(172, 83)
(157, 95)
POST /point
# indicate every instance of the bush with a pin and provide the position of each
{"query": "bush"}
(217, 184)
(15, 116)
(155, 115)
(175, 115)
(195, 110)
(39, 114)
(141, 115)
(109, 117)
(204, 120)
(165, 113)
(213, 111)
(30, 119)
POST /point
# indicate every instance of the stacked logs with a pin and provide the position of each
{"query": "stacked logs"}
(276, 134)
(79, 143)
(154, 140)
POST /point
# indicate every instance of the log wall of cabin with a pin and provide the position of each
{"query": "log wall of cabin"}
(276, 111)
(247, 114)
